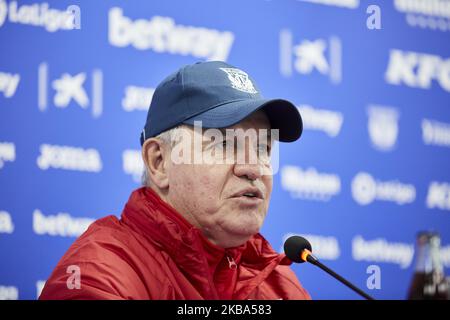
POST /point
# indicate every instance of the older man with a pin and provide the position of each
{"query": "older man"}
(192, 231)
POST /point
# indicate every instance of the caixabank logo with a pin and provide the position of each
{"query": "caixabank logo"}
(307, 57)
(70, 89)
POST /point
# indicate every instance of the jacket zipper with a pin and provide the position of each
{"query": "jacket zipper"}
(231, 263)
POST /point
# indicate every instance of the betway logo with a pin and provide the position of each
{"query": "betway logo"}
(9, 293)
(417, 70)
(445, 256)
(137, 98)
(365, 190)
(132, 163)
(380, 250)
(436, 133)
(7, 152)
(6, 224)
(310, 184)
(39, 287)
(61, 224)
(69, 158)
(9, 83)
(326, 248)
(327, 121)
(41, 15)
(438, 195)
(161, 34)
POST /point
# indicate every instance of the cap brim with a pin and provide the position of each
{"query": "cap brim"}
(282, 114)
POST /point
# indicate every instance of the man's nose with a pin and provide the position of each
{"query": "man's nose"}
(248, 166)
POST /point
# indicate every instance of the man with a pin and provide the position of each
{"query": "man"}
(192, 231)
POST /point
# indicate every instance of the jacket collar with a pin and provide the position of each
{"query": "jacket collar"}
(147, 214)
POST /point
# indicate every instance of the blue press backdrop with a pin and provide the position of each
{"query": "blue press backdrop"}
(372, 83)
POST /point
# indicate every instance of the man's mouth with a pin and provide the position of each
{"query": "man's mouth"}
(251, 192)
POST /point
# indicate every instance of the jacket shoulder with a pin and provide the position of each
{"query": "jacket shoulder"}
(109, 262)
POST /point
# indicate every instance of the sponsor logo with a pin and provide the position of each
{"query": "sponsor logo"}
(9, 83)
(383, 127)
(7, 153)
(162, 35)
(6, 223)
(9, 293)
(320, 56)
(417, 70)
(3, 12)
(133, 164)
(39, 286)
(137, 98)
(41, 15)
(365, 190)
(239, 80)
(70, 90)
(438, 195)
(445, 256)
(61, 224)
(324, 247)
(327, 121)
(348, 4)
(309, 184)
(380, 250)
(69, 158)
(426, 14)
(435, 133)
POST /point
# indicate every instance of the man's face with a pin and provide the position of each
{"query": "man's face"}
(227, 200)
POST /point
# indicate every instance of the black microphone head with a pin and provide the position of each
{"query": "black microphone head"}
(294, 246)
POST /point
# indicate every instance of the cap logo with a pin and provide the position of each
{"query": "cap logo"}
(239, 80)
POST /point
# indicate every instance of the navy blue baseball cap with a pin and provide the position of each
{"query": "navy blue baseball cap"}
(220, 96)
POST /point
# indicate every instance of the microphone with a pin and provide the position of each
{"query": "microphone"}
(299, 250)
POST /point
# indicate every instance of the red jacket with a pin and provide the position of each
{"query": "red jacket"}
(154, 253)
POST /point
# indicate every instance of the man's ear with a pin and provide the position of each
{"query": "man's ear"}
(154, 154)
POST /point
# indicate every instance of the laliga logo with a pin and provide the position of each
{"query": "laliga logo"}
(364, 188)
(383, 127)
(3, 12)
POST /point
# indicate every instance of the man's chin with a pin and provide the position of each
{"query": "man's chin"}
(243, 230)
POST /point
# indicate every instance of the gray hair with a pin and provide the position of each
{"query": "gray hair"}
(169, 137)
